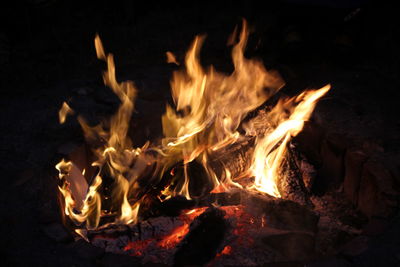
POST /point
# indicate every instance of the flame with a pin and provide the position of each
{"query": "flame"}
(65, 110)
(89, 208)
(171, 240)
(207, 116)
(209, 106)
(114, 156)
(225, 251)
(171, 58)
(270, 149)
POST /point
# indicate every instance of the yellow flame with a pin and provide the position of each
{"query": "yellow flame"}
(113, 157)
(209, 106)
(270, 149)
(65, 110)
(90, 210)
(171, 58)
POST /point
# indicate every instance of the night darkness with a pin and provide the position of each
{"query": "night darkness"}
(47, 56)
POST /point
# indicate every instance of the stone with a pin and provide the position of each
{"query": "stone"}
(292, 246)
(354, 161)
(309, 141)
(331, 173)
(377, 195)
(57, 232)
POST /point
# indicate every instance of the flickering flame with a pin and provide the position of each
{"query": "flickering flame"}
(175, 237)
(75, 197)
(64, 112)
(270, 149)
(171, 58)
(114, 158)
(225, 251)
(210, 105)
(208, 111)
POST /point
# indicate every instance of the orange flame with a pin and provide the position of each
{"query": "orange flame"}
(210, 105)
(114, 157)
(64, 112)
(209, 109)
(270, 149)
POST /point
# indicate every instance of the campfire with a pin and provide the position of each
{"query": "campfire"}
(224, 178)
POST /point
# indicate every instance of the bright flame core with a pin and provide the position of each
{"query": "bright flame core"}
(209, 110)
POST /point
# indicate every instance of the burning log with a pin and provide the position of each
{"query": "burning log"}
(150, 228)
(201, 244)
(199, 235)
(238, 158)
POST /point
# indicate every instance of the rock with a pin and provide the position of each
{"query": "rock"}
(57, 232)
(354, 161)
(331, 173)
(377, 196)
(309, 141)
(292, 246)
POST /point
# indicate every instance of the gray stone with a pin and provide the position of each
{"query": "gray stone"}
(377, 195)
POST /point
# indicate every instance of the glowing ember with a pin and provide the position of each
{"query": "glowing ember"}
(137, 248)
(175, 237)
(226, 251)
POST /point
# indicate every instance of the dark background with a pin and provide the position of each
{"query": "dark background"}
(47, 56)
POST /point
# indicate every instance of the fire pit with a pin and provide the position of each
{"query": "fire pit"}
(241, 176)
